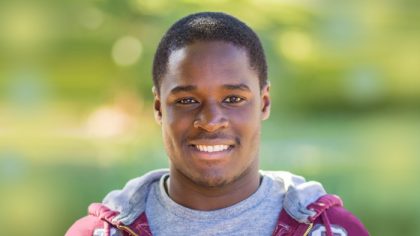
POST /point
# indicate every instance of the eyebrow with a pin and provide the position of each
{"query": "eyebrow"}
(189, 88)
(242, 87)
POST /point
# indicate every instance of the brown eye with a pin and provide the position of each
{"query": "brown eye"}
(233, 99)
(186, 101)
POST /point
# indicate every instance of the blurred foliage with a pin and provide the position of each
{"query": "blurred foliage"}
(76, 118)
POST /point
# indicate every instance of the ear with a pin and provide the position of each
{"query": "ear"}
(157, 106)
(265, 101)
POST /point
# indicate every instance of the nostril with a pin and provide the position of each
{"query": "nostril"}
(211, 125)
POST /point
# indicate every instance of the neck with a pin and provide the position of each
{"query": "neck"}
(185, 192)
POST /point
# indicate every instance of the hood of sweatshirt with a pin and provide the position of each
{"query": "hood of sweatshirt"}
(130, 201)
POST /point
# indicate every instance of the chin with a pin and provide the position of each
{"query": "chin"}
(212, 183)
(212, 180)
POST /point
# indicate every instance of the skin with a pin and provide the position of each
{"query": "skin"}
(211, 96)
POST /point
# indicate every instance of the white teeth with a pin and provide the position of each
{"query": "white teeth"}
(215, 148)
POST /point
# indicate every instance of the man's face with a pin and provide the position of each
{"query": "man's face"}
(210, 108)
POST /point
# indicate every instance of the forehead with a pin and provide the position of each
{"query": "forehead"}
(209, 64)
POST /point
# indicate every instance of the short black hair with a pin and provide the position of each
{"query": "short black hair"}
(209, 26)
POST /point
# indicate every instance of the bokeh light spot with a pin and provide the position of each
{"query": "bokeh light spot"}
(295, 45)
(363, 86)
(107, 122)
(126, 51)
(91, 18)
(24, 27)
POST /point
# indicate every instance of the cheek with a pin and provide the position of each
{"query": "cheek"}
(180, 121)
(248, 115)
(246, 122)
(175, 125)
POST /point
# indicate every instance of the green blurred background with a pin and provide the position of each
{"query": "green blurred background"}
(75, 102)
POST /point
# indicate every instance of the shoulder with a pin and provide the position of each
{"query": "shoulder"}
(284, 178)
(341, 221)
(331, 218)
(307, 201)
(122, 205)
(297, 193)
(95, 223)
(85, 226)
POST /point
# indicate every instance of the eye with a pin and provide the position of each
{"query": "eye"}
(233, 99)
(186, 101)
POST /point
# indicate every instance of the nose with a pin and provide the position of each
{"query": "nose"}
(211, 118)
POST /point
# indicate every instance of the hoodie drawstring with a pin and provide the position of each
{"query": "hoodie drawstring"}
(326, 223)
(107, 229)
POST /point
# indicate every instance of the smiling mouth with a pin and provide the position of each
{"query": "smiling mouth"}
(218, 148)
(212, 148)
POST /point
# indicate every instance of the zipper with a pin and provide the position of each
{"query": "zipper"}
(308, 229)
(127, 229)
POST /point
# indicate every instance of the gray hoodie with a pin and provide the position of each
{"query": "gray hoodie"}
(145, 194)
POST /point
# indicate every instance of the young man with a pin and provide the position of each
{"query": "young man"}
(211, 94)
